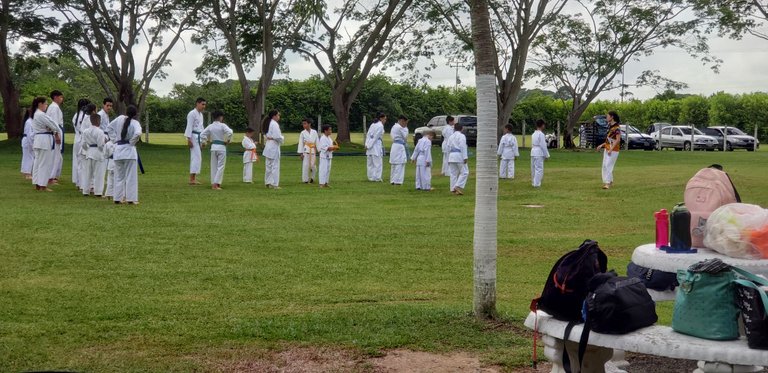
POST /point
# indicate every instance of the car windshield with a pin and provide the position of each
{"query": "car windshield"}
(687, 131)
(468, 121)
(735, 131)
(632, 129)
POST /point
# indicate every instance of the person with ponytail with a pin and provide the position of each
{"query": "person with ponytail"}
(272, 150)
(610, 148)
(27, 151)
(47, 135)
(77, 156)
(127, 132)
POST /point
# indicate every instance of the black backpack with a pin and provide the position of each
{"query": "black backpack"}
(653, 279)
(566, 286)
(618, 305)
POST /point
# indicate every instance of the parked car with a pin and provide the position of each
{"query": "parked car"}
(656, 127)
(551, 140)
(737, 139)
(679, 138)
(469, 122)
(592, 134)
(637, 139)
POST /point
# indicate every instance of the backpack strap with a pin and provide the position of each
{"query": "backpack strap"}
(583, 342)
(736, 192)
(566, 358)
(582, 345)
(751, 285)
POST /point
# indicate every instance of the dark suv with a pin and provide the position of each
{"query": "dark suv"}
(469, 122)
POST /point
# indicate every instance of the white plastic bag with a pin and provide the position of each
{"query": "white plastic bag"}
(729, 227)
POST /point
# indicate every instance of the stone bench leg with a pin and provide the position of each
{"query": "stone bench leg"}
(709, 367)
(594, 358)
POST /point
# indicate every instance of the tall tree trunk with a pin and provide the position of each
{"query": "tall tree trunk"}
(487, 181)
(341, 110)
(11, 110)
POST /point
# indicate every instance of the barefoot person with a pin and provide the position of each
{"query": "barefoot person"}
(128, 131)
(326, 147)
(539, 153)
(27, 148)
(457, 160)
(249, 155)
(307, 150)
(447, 132)
(508, 152)
(398, 154)
(219, 135)
(374, 148)
(54, 112)
(192, 133)
(272, 150)
(422, 157)
(47, 135)
(610, 148)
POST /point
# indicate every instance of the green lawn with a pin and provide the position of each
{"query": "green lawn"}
(193, 277)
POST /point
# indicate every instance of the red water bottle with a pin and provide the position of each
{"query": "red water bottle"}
(662, 228)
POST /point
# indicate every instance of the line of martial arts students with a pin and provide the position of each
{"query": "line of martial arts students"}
(101, 149)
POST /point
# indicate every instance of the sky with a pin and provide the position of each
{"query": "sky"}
(743, 70)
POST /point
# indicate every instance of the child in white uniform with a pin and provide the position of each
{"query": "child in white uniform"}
(508, 152)
(539, 152)
(374, 148)
(128, 132)
(398, 153)
(249, 155)
(326, 147)
(447, 132)
(219, 135)
(422, 157)
(271, 152)
(457, 160)
(27, 151)
(192, 133)
(307, 150)
(92, 142)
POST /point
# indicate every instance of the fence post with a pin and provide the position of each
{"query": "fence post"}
(559, 141)
(523, 133)
(693, 132)
(754, 145)
(146, 134)
(365, 127)
(725, 138)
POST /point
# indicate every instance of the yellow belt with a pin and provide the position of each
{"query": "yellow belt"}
(312, 148)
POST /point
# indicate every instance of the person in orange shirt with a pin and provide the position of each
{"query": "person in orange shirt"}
(611, 148)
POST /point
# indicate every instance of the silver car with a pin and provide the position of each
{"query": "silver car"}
(683, 138)
(737, 139)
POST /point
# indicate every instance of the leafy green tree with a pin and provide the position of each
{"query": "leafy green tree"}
(123, 42)
(585, 54)
(20, 21)
(694, 110)
(726, 109)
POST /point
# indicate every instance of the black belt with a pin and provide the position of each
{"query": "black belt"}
(53, 143)
(123, 142)
(93, 146)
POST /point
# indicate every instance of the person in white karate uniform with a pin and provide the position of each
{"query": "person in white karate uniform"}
(27, 148)
(101, 170)
(47, 135)
(374, 148)
(326, 147)
(610, 148)
(128, 132)
(447, 132)
(307, 150)
(77, 152)
(54, 112)
(92, 141)
(539, 153)
(249, 155)
(271, 152)
(109, 151)
(192, 133)
(422, 157)
(219, 134)
(398, 152)
(508, 152)
(457, 160)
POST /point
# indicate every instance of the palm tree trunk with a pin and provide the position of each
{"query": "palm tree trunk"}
(487, 181)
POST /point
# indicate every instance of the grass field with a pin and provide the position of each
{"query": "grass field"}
(192, 277)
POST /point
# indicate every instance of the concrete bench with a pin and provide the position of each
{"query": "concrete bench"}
(658, 340)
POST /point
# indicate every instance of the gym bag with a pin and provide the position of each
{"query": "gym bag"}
(567, 284)
(618, 305)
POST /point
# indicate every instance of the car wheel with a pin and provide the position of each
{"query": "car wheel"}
(687, 146)
(710, 150)
(750, 149)
(729, 147)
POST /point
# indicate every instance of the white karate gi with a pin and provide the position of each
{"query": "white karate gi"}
(422, 154)
(109, 150)
(80, 122)
(125, 156)
(44, 145)
(326, 157)
(92, 142)
(219, 134)
(54, 112)
(192, 133)
(272, 154)
(398, 154)
(249, 156)
(539, 152)
(307, 146)
(27, 149)
(447, 132)
(101, 169)
(456, 158)
(508, 151)
(374, 150)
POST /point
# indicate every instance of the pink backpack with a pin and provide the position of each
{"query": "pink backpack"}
(709, 189)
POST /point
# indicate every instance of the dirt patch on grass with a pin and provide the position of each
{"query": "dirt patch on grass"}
(418, 362)
(297, 360)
